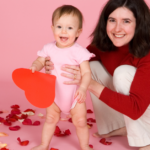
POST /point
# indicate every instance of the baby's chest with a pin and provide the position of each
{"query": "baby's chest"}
(60, 58)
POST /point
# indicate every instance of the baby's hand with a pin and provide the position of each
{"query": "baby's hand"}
(80, 95)
(33, 68)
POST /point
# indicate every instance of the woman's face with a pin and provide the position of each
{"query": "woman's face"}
(121, 26)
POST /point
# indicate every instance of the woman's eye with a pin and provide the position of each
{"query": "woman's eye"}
(126, 21)
(59, 27)
(111, 20)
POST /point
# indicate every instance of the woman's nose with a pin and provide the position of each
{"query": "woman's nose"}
(118, 27)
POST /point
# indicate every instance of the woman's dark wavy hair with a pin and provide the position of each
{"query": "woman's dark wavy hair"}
(139, 46)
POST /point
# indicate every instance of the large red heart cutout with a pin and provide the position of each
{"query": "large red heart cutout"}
(39, 87)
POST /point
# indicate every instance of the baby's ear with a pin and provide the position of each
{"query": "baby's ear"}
(79, 32)
(52, 27)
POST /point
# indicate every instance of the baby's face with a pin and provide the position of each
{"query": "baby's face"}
(65, 30)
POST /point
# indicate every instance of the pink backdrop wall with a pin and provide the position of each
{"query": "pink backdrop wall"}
(25, 28)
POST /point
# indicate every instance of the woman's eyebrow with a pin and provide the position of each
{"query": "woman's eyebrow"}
(122, 18)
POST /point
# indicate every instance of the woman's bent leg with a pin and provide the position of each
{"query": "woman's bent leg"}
(107, 119)
(138, 131)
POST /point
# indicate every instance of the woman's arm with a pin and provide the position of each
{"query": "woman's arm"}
(96, 88)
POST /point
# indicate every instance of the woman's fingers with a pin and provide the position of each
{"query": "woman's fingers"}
(48, 65)
(71, 69)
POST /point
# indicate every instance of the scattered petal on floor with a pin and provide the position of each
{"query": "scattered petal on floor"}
(89, 125)
(1, 112)
(36, 123)
(7, 123)
(103, 141)
(3, 145)
(14, 128)
(23, 143)
(91, 120)
(54, 149)
(3, 134)
(15, 111)
(70, 120)
(91, 146)
(15, 106)
(29, 112)
(21, 120)
(27, 122)
(4, 148)
(89, 111)
(67, 132)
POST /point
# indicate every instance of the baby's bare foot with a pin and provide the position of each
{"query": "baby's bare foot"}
(40, 147)
(145, 148)
(87, 148)
(118, 132)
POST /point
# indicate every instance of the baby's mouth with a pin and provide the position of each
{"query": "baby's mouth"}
(63, 38)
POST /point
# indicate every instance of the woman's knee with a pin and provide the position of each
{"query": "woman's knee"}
(123, 77)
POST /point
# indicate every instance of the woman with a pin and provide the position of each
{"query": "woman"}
(120, 82)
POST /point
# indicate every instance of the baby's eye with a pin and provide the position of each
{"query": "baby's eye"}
(59, 27)
(70, 28)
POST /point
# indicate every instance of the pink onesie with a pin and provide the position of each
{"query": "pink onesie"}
(73, 55)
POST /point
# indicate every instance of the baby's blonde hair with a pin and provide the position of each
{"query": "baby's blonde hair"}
(68, 9)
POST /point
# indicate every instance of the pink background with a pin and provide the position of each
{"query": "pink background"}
(24, 29)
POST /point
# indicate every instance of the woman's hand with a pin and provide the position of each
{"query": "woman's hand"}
(48, 65)
(74, 74)
(74, 70)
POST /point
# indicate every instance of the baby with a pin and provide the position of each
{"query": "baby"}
(66, 27)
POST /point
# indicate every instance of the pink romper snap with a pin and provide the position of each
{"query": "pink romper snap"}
(74, 55)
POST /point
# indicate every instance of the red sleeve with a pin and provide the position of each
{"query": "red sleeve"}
(95, 51)
(135, 104)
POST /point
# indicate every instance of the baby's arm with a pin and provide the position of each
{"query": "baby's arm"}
(86, 78)
(38, 64)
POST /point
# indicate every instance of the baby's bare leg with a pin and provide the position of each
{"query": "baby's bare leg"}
(52, 117)
(80, 121)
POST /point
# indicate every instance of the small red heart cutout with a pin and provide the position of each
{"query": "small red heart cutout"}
(39, 87)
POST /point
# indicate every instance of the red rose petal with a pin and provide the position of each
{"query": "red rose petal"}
(36, 123)
(67, 132)
(4, 148)
(91, 120)
(90, 124)
(14, 128)
(91, 146)
(29, 110)
(15, 112)
(57, 130)
(7, 123)
(12, 119)
(27, 122)
(103, 141)
(70, 120)
(1, 119)
(54, 149)
(1, 112)
(23, 143)
(89, 111)
(23, 116)
(15, 106)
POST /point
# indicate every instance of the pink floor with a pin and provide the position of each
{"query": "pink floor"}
(10, 95)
